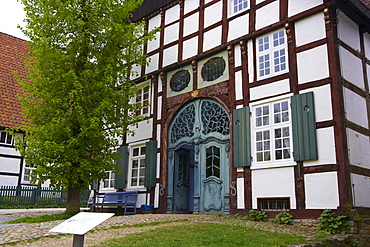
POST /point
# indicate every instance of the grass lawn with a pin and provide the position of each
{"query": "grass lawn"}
(205, 234)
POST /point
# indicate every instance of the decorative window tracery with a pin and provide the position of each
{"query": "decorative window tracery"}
(184, 124)
(213, 162)
(180, 80)
(213, 69)
(214, 118)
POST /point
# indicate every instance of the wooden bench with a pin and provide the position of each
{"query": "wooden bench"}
(119, 199)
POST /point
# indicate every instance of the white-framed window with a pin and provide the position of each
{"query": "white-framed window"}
(136, 172)
(143, 98)
(29, 172)
(272, 132)
(272, 54)
(108, 182)
(6, 138)
(237, 6)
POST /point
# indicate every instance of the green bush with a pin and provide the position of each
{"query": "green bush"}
(257, 215)
(283, 218)
(331, 223)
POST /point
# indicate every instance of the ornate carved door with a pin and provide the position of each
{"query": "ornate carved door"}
(198, 166)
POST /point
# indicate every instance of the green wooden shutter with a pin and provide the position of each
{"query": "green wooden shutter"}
(242, 137)
(150, 164)
(304, 127)
(121, 164)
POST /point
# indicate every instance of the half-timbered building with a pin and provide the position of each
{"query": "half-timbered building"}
(253, 104)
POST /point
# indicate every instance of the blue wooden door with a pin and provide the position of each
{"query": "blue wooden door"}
(198, 164)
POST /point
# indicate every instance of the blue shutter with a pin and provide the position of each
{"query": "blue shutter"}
(242, 137)
(304, 127)
(150, 164)
(121, 165)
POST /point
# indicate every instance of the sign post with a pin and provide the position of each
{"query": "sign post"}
(79, 224)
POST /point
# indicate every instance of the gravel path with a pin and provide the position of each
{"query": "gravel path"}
(20, 233)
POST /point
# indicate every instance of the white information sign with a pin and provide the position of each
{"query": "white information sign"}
(81, 223)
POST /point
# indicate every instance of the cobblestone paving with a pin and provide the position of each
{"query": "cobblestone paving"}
(20, 233)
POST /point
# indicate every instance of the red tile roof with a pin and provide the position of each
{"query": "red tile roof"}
(366, 2)
(11, 51)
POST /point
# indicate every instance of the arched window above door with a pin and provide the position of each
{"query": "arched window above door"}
(199, 117)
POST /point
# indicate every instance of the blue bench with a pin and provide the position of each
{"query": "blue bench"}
(119, 199)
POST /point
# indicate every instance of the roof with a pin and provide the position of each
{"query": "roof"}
(366, 2)
(12, 50)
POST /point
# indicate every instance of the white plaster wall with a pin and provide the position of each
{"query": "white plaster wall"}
(240, 193)
(348, 31)
(170, 55)
(277, 182)
(135, 72)
(355, 107)
(8, 181)
(351, 67)
(238, 27)
(250, 58)
(156, 196)
(267, 15)
(297, 6)
(190, 48)
(212, 38)
(368, 76)
(213, 14)
(159, 109)
(190, 5)
(171, 33)
(142, 132)
(160, 84)
(323, 106)
(270, 89)
(9, 151)
(238, 85)
(237, 56)
(172, 14)
(9, 165)
(153, 23)
(153, 63)
(159, 139)
(367, 45)
(359, 148)
(259, 1)
(325, 148)
(361, 190)
(191, 24)
(310, 29)
(313, 64)
(321, 190)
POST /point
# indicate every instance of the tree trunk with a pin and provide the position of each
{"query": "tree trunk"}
(73, 201)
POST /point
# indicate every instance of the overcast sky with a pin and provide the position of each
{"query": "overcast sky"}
(11, 14)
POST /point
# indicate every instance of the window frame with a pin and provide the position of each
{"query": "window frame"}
(269, 200)
(269, 51)
(145, 111)
(111, 180)
(7, 137)
(273, 162)
(141, 170)
(26, 178)
(232, 11)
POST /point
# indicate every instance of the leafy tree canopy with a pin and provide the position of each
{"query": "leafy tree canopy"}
(76, 95)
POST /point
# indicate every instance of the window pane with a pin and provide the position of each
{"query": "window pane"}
(135, 164)
(259, 136)
(267, 156)
(278, 143)
(135, 152)
(134, 173)
(259, 146)
(278, 154)
(143, 151)
(259, 156)
(286, 153)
